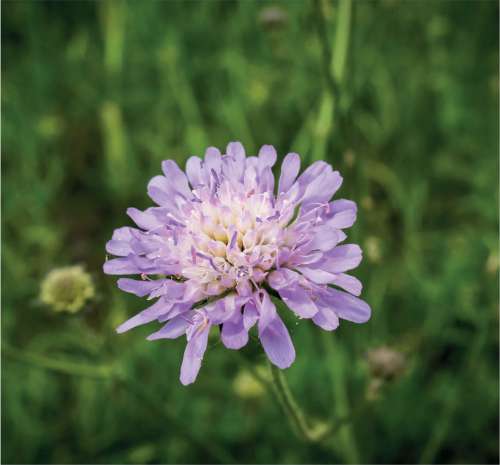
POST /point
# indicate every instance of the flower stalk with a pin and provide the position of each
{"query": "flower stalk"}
(66, 366)
(297, 418)
(292, 410)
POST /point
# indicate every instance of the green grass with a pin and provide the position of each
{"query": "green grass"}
(96, 94)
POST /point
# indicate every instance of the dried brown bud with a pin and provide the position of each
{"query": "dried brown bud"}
(273, 17)
(386, 363)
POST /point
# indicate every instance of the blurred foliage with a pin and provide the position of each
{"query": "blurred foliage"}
(96, 94)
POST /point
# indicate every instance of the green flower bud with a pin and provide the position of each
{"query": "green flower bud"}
(247, 386)
(67, 289)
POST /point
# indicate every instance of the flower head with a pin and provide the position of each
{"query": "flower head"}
(386, 363)
(222, 238)
(67, 289)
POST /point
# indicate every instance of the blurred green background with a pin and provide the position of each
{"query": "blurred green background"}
(401, 97)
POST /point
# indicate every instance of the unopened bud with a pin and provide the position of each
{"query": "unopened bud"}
(247, 386)
(386, 363)
(67, 289)
(273, 17)
(373, 249)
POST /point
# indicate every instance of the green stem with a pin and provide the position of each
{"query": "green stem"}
(60, 365)
(342, 35)
(211, 448)
(335, 70)
(345, 440)
(291, 408)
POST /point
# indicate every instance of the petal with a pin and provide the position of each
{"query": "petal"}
(320, 182)
(173, 289)
(267, 156)
(243, 288)
(149, 314)
(277, 343)
(326, 319)
(287, 283)
(236, 150)
(138, 287)
(299, 301)
(125, 265)
(120, 241)
(193, 356)
(159, 196)
(250, 315)
(325, 238)
(193, 171)
(173, 329)
(177, 309)
(317, 275)
(267, 310)
(119, 248)
(123, 234)
(341, 258)
(348, 283)
(145, 220)
(224, 309)
(176, 178)
(289, 170)
(342, 214)
(282, 278)
(347, 306)
(313, 172)
(212, 160)
(266, 180)
(234, 335)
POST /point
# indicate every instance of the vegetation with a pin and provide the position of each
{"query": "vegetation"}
(401, 97)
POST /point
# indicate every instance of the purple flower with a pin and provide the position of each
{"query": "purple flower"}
(221, 242)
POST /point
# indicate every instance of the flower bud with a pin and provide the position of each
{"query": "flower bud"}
(273, 17)
(247, 386)
(385, 363)
(67, 289)
(373, 249)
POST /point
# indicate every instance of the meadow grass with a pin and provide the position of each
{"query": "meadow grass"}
(400, 96)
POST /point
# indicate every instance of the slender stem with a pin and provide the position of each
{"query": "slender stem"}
(342, 35)
(60, 365)
(326, 49)
(109, 372)
(288, 403)
(176, 422)
(335, 70)
(338, 424)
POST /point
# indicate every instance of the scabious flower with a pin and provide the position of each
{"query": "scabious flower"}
(67, 289)
(223, 240)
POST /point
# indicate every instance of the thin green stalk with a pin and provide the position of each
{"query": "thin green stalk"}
(109, 372)
(211, 448)
(342, 36)
(61, 365)
(292, 410)
(336, 69)
(445, 417)
(337, 374)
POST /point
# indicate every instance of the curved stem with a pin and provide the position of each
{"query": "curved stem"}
(63, 366)
(292, 410)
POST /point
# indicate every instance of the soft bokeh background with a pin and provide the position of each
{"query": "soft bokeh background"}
(95, 95)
